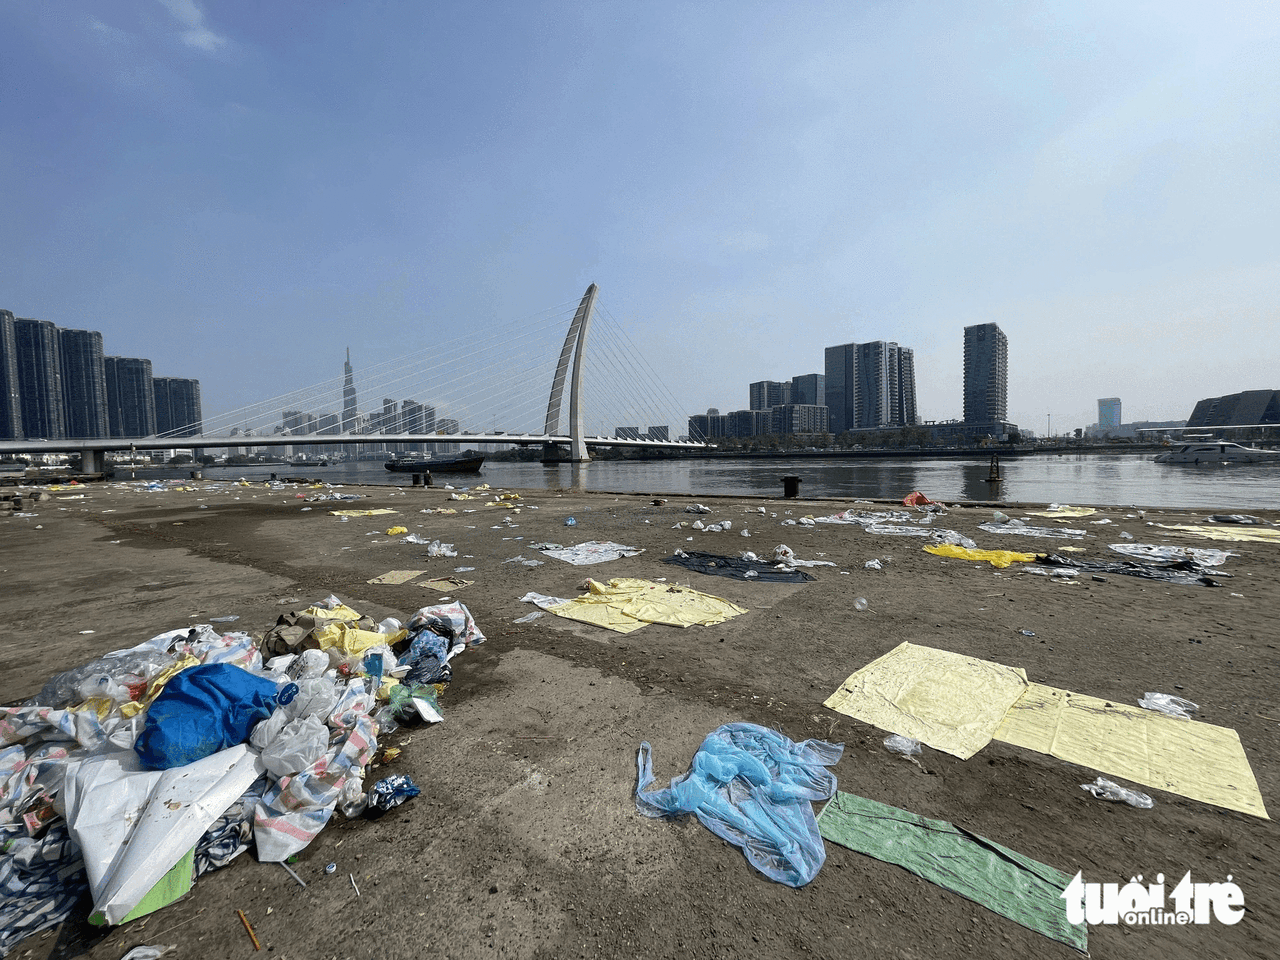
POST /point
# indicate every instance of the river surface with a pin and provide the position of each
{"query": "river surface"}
(1100, 479)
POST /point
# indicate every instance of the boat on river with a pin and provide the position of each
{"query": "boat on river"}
(464, 464)
(1217, 451)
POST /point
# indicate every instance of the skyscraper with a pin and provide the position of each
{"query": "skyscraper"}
(39, 379)
(10, 405)
(766, 394)
(986, 374)
(131, 401)
(84, 384)
(348, 396)
(810, 388)
(1109, 413)
(870, 385)
(178, 411)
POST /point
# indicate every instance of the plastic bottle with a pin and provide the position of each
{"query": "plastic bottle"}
(860, 604)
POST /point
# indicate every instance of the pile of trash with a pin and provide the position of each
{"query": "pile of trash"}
(134, 773)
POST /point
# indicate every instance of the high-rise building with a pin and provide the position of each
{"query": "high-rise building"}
(1109, 413)
(766, 394)
(84, 384)
(803, 418)
(10, 404)
(986, 374)
(870, 385)
(178, 411)
(661, 433)
(131, 401)
(810, 388)
(39, 379)
(348, 396)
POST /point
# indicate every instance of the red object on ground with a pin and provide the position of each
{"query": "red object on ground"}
(915, 499)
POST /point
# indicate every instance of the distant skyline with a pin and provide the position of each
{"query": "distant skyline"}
(240, 191)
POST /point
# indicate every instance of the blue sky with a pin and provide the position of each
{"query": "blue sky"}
(239, 191)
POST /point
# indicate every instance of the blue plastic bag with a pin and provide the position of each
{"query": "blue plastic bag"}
(753, 787)
(201, 711)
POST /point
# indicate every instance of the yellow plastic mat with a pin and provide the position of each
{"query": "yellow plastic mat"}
(1186, 757)
(951, 702)
(997, 558)
(1233, 534)
(360, 513)
(627, 604)
(397, 576)
(1063, 511)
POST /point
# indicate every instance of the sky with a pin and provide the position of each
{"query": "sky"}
(240, 191)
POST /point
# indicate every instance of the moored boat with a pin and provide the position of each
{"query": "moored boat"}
(1217, 451)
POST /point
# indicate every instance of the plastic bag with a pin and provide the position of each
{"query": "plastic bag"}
(116, 678)
(1106, 790)
(298, 745)
(1169, 705)
(391, 792)
(897, 743)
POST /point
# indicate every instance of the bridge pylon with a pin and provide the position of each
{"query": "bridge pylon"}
(575, 343)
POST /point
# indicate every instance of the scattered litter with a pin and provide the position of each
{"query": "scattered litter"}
(1018, 528)
(360, 513)
(1205, 556)
(570, 522)
(750, 786)
(391, 791)
(593, 551)
(1237, 518)
(1104, 789)
(396, 531)
(529, 617)
(438, 549)
(747, 567)
(860, 604)
(1185, 572)
(915, 499)
(873, 564)
(1261, 535)
(1063, 510)
(896, 743)
(463, 569)
(1027, 633)
(1169, 705)
(696, 508)
(786, 558)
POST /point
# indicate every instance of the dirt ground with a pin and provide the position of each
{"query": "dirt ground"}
(525, 841)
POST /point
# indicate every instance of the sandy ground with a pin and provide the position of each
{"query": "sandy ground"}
(525, 841)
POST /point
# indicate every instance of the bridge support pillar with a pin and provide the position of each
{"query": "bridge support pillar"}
(575, 343)
(93, 461)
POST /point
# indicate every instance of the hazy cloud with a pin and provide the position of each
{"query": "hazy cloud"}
(197, 34)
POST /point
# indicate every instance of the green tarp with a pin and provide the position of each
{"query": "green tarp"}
(1005, 882)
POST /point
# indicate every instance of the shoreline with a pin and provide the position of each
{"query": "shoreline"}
(525, 837)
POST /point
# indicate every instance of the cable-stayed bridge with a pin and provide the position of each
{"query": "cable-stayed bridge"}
(516, 383)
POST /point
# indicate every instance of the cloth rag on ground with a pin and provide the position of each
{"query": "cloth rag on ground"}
(736, 568)
(951, 702)
(754, 788)
(446, 584)
(997, 558)
(1187, 757)
(627, 604)
(593, 551)
(1063, 511)
(1002, 880)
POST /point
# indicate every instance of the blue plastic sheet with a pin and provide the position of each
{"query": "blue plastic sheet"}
(201, 711)
(754, 788)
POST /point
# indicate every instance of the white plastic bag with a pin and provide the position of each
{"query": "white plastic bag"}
(299, 744)
(1107, 790)
(1169, 705)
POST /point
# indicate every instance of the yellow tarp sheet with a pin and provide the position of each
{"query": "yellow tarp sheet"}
(951, 702)
(340, 612)
(360, 513)
(1235, 534)
(397, 576)
(627, 604)
(997, 558)
(1186, 757)
(396, 531)
(1064, 511)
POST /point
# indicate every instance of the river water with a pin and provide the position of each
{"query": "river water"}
(1100, 479)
